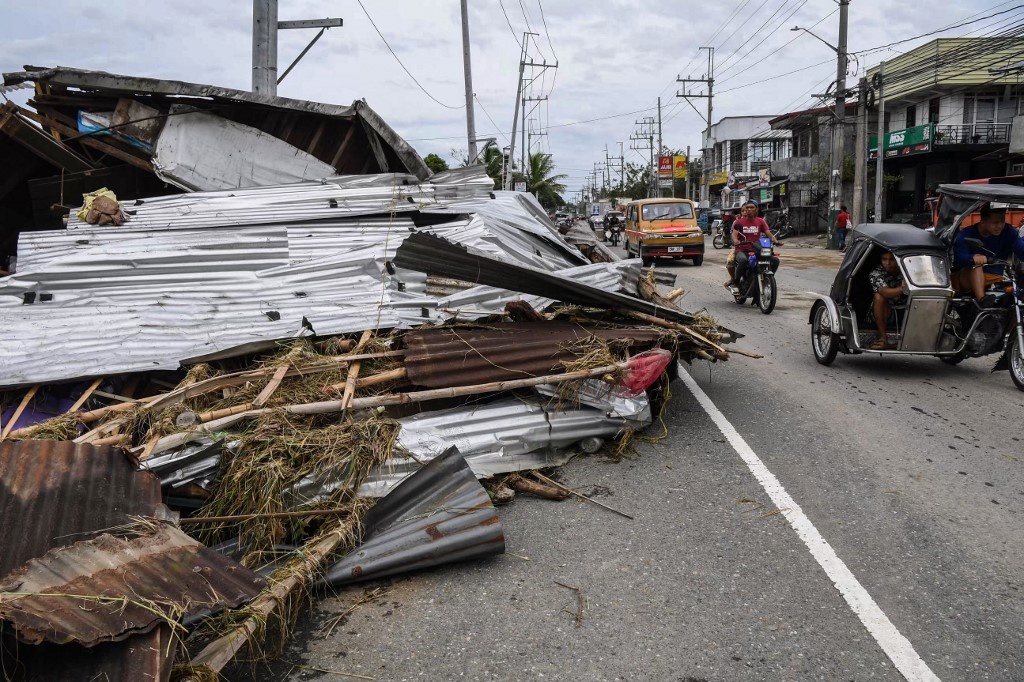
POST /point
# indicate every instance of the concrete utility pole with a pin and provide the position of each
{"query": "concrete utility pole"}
(658, 155)
(264, 44)
(860, 170)
(836, 181)
(515, 117)
(646, 135)
(707, 149)
(688, 194)
(468, 70)
(879, 171)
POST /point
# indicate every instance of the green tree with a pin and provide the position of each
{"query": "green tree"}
(494, 160)
(546, 187)
(435, 163)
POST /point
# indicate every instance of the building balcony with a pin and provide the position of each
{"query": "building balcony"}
(981, 133)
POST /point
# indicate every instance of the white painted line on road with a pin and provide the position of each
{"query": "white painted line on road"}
(897, 647)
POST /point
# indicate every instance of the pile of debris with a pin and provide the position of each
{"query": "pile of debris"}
(310, 379)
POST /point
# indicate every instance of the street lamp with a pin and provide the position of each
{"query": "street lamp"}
(835, 187)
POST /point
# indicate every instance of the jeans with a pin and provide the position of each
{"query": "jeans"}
(841, 237)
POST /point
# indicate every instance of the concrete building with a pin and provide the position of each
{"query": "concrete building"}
(741, 148)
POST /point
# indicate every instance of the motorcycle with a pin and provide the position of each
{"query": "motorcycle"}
(613, 233)
(758, 282)
(723, 235)
(783, 228)
(994, 328)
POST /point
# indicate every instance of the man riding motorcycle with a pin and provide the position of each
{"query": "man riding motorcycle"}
(745, 231)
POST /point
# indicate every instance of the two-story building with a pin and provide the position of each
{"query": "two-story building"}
(738, 149)
(949, 110)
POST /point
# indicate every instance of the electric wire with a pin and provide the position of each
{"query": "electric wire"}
(409, 73)
(515, 36)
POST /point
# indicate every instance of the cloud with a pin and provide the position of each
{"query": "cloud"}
(614, 56)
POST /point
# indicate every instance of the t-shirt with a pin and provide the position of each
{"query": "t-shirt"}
(880, 278)
(751, 228)
(1006, 243)
(843, 220)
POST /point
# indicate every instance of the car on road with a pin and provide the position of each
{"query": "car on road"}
(663, 228)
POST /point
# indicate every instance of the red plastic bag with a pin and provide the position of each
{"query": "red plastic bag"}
(644, 369)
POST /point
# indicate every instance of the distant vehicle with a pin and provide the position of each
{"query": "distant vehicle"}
(663, 228)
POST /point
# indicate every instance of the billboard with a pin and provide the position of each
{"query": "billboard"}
(679, 166)
(665, 167)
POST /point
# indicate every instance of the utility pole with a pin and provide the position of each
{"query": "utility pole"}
(879, 171)
(836, 181)
(689, 195)
(646, 135)
(515, 117)
(659, 147)
(622, 167)
(264, 44)
(707, 149)
(860, 170)
(468, 70)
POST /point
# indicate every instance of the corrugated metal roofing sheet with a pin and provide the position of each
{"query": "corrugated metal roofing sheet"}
(50, 493)
(109, 588)
(428, 253)
(439, 515)
(462, 356)
(52, 490)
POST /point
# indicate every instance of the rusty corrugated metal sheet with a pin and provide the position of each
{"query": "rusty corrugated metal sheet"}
(124, 585)
(52, 490)
(49, 493)
(462, 356)
(439, 515)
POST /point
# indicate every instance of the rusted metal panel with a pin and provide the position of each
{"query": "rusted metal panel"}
(109, 588)
(461, 356)
(52, 490)
(439, 515)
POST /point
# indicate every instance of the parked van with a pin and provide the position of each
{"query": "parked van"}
(663, 228)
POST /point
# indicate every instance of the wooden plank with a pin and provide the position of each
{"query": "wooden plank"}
(91, 142)
(17, 413)
(344, 145)
(316, 138)
(271, 386)
(86, 394)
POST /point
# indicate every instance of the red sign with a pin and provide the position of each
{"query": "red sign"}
(664, 166)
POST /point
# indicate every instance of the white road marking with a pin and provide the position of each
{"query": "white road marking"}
(897, 647)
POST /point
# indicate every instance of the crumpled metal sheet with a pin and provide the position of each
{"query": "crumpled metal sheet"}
(506, 351)
(439, 515)
(49, 492)
(108, 588)
(203, 151)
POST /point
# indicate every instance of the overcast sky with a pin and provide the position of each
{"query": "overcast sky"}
(614, 57)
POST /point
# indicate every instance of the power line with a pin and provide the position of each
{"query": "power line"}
(547, 33)
(784, 46)
(762, 27)
(938, 30)
(446, 106)
(514, 35)
(484, 109)
(557, 125)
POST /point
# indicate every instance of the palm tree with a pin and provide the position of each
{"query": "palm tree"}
(494, 162)
(546, 187)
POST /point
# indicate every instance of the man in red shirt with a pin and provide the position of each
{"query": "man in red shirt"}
(842, 225)
(745, 232)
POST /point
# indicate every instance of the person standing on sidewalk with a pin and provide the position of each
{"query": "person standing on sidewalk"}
(842, 225)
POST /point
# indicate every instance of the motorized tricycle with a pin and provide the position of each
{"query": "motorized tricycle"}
(932, 319)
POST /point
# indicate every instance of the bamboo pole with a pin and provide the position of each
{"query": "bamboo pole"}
(396, 374)
(353, 371)
(273, 515)
(720, 353)
(315, 553)
(17, 413)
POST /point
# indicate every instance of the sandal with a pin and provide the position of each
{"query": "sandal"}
(882, 344)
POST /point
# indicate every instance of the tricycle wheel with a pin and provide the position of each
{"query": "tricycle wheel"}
(824, 340)
(1016, 363)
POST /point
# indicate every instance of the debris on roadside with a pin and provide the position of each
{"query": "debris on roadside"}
(315, 376)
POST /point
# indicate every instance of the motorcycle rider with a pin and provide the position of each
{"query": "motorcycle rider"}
(745, 231)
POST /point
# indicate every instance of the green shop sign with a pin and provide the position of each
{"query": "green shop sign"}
(916, 140)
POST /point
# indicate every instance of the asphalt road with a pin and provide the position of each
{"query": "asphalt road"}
(905, 480)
